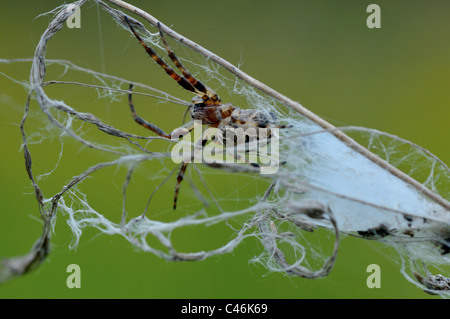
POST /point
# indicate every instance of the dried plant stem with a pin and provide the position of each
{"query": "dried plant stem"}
(288, 102)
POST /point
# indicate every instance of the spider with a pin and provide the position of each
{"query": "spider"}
(206, 107)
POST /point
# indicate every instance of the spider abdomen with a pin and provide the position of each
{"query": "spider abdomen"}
(247, 118)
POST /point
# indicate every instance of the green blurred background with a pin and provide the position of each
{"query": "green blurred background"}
(320, 53)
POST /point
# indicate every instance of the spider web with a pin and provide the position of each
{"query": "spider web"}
(323, 187)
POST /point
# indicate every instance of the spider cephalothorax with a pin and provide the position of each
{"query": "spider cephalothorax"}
(207, 106)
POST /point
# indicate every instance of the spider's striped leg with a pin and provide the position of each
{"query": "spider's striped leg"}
(180, 177)
(195, 83)
(181, 173)
(180, 80)
(143, 122)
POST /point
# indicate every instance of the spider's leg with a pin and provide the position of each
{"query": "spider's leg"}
(185, 84)
(195, 83)
(181, 172)
(143, 122)
(180, 177)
